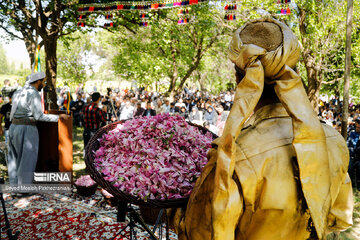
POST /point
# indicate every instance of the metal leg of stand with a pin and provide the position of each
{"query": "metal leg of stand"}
(158, 220)
(131, 230)
(159, 223)
(121, 211)
(135, 218)
(7, 222)
(167, 226)
(141, 221)
(161, 230)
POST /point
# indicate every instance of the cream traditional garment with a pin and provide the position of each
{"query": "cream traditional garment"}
(258, 180)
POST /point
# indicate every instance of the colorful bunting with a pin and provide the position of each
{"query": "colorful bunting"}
(88, 6)
(230, 10)
(284, 7)
(184, 16)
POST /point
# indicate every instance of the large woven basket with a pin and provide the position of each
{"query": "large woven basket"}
(94, 144)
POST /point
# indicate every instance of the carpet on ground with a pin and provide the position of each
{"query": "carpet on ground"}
(65, 216)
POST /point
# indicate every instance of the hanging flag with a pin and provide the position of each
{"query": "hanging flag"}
(42, 101)
(68, 102)
(37, 67)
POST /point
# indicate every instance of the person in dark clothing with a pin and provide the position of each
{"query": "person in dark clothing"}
(353, 144)
(139, 110)
(194, 114)
(184, 113)
(76, 107)
(149, 111)
(5, 114)
(210, 115)
(93, 117)
(173, 109)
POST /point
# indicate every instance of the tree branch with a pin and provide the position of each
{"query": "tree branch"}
(10, 33)
(331, 82)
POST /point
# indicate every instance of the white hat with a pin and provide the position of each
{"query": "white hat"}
(35, 76)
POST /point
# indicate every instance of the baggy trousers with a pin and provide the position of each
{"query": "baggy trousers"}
(23, 153)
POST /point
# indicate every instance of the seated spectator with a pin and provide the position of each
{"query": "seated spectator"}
(127, 111)
(139, 111)
(149, 110)
(210, 115)
(194, 115)
(180, 103)
(158, 106)
(221, 118)
(173, 109)
(184, 113)
(166, 106)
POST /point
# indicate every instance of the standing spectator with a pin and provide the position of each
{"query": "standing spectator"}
(353, 144)
(76, 107)
(5, 114)
(7, 89)
(94, 117)
(79, 89)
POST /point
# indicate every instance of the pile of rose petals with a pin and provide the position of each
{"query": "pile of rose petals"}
(157, 157)
(85, 181)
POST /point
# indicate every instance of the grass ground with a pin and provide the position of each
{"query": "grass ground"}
(79, 169)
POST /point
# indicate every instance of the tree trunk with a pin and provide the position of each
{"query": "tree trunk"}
(314, 83)
(51, 70)
(31, 49)
(345, 112)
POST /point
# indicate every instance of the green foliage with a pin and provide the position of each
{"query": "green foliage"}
(72, 54)
(4, 67)
(165, 52)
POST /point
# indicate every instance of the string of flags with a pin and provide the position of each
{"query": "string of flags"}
(87, 7)
(144, 16)
(110, 7)
(230, 11)
(135, 5)
(184, 16)
(283, 7)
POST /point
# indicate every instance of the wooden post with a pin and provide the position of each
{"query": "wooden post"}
(345, 110)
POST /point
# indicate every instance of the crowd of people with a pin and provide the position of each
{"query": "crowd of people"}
(195, 106)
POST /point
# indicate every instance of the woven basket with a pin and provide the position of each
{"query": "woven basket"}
(86, 191)
(94, 144)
